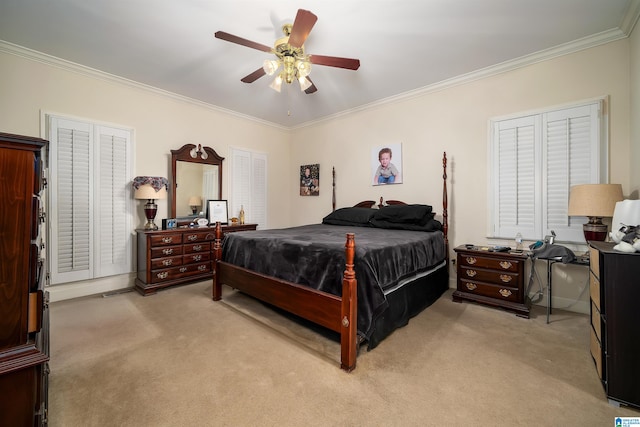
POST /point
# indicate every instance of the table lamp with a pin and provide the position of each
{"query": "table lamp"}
(194, 203)
(594, 201)
(150, 188)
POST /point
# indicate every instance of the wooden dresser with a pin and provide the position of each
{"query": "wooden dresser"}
(614, 286)
(24, 318)
(177, 256)
(492, 278)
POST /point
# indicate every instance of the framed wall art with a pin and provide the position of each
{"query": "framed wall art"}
(386, 164)
(310, 180)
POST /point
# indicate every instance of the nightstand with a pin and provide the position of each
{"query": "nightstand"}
(492, 278)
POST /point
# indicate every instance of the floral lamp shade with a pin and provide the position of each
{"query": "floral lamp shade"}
(150, 188)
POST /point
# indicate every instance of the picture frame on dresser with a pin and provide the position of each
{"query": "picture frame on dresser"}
(217, 211)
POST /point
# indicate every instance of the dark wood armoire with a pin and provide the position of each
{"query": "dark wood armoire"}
(24, 320)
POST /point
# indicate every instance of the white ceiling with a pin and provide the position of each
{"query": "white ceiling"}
(403, 46)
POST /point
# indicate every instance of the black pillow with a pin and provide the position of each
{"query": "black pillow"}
(350, 216)
(430, 225)
(405, 214)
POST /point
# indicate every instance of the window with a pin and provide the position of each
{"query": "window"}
(249, 186)
(534, 161)
(90, 200)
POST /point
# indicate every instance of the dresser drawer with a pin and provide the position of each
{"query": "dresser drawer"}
(165, 240)
(173, 261)
(197, 247)
(489, 290)
(594, 290)
(198, 236)
(596, 322)
(169, 274)
(166, 251)
(196, 257)
(596, 352)
(489, 263)
(491, 276)
(594, 262)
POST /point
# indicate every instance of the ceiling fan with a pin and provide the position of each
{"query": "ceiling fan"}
(292, 62)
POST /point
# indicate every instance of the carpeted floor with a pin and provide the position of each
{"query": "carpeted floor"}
(179, 359)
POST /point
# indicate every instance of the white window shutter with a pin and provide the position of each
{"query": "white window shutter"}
(570, 158)
(113, 214)
(249, 186)
(71, 198)
(515, 181)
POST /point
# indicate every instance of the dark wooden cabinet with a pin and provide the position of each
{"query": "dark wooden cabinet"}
(492, 278)
(24, 319)
(614, 285)
(178, 256)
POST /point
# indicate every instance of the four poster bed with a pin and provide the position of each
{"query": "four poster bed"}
(363, 290)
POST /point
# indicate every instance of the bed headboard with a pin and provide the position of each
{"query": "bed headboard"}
(371, 203)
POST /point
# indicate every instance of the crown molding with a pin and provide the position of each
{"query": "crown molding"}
(73, 67)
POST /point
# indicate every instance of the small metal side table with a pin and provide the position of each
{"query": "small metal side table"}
(550, 263)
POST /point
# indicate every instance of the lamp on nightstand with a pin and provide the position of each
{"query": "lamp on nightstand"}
(194, 204)
(594, 201)
(150, 188)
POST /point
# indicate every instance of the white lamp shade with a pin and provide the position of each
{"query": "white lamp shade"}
(595, 200)
(195, 201)
(146, 191)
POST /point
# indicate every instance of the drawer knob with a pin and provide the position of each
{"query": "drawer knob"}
(471, 273)
(197, 247)
(163, 275)
(471, 260)
(506, 278)
(506, 265)
(167, 239)
(167, 261)
(183, 269)
(505, 292)
(471, 286)
(202, 267)
(192, 237)
(197, 257)
(167, 251)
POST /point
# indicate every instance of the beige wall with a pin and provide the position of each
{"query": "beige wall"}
(452, 119)
(455, 120)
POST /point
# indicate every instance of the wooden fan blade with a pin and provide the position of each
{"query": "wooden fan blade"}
(302, 26)
(253, 76)
(311, 89)
(239, 40)
(334, 61)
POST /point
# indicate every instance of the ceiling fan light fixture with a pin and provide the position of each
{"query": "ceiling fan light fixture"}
(276, 84)
(304, 67)
(270, 66)
(304, 83)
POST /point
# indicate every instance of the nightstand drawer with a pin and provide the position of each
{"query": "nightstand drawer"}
(490, 290)
(489, 263)
(596, 322)
(594, 290)
(491, 276)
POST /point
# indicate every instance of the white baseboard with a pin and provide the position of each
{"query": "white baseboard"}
(90, 287)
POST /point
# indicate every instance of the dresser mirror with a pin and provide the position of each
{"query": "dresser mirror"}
(196, 176)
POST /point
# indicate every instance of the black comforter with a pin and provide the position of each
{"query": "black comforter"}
(314, 255)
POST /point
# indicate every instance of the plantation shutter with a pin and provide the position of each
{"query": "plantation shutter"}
(90, 200)
(571, 158)
(249, 186)
(516, 202)
(71, 220)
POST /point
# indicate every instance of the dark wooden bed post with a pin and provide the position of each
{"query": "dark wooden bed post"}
(217, 251)
(349, 314)
(445, 202)
(333, 196)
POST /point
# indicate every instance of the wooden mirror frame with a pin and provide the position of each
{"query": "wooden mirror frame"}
(193, 154)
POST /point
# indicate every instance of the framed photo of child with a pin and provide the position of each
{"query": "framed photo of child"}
(386, 164)
(310, 180)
